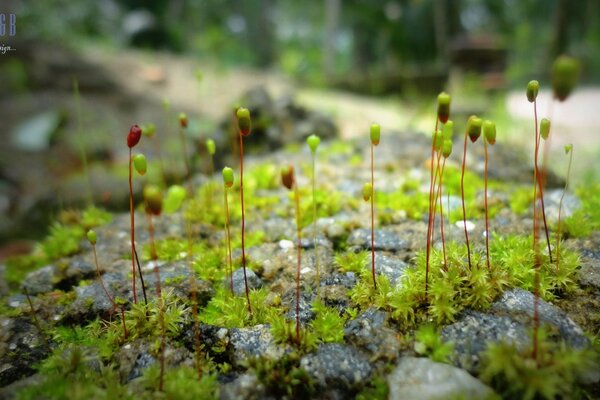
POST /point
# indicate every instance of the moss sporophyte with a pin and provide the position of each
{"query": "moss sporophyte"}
(153, 200)
(375, 135)
(244, 127)
(489, 136)
(313, 142)
(227, 184)
(289, 181)
(133, 138)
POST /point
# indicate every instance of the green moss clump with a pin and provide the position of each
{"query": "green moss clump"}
(283, 378)
(587, 218)
(514, 374)
(428, 342)
(229, 311)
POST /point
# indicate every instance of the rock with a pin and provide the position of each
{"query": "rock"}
(306, 314)
(41, 280)
(255, 341)
(338, 366)
(589, 274)
(370, 332)
(391, 267)
(347, 280)
(424, 379)
(239, 286)
(384, 240)
(134, 358)
(91, 300)
(552, 202)
(517, 304)
(245, 386)
(36, 133)
(213, 339)
(474, 331)
(22, 346)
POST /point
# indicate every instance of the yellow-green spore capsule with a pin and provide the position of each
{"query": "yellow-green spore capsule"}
(375, 134)
(474, 128)
(533, 88)
(140, 164)
(313, 142)
(545, 128)
(489, 131)
(92, 237)
(367, 191)
(211, 147)
(228, 177)
(448, 130)
(443, 110)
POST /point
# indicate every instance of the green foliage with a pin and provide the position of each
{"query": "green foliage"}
(328, 203)
(520, 200)
(327, 326)
(283, 378)
(174, 199)
(181, 383)
(415, 204)
(459, 287)
(93, 217)
(352, 262)
(376, 389)
(143, 320)
(284, 331)
(428, 342)
(230, 311)
(69, 374)
(587, 218)
(62, 241)
(513, 373)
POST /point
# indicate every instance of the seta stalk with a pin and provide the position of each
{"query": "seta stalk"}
(472, 132)
(288, 180)
(375, 134)
(313, 142)
(227, 184)
(569, 151)
(244, 127)
(489, 136)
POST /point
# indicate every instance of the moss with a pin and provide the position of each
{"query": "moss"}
(230, 311)
(181, 383)
(428, 342)
(587, 218)
(283, 378)
(513, 373)
(521, 200)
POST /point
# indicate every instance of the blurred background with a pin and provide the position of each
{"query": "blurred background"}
(83, 71)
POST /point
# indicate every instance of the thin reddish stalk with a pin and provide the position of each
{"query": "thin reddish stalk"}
(315, 243)
(373, 220)
(299, 259)
(110, 298)
(439, 195)
(462, 194)
(536, 295)
(560, 210)
(485, 199)
(435, 194)
(154, 256)
(539, 180)
(132, 230)
(225, 201)
(188, 170)
(243, 220)
(429, 227)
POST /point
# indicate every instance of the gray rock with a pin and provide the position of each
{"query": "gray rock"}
(337, 366)
(474, 331)
(255, 341)
(22, 346)
(41, 280)
(391, 267)
(79, 269)
(245, 386)
(348, 280)
(306, 314)
(424, 379)
(589, 274)
(552, 201)
(517, 304)
(370, 332)
(239, 286)
(91, 300)
(384, 240)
